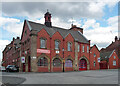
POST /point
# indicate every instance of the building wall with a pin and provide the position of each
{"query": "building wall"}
(25, 47)
(111, 59)
(11, 53)
(95, 51)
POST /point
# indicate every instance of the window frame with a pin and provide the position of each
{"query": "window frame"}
(43, 43)
(114, 64)
(43, 64)
(83, 48)
(87, 49)
(58, 44)
(70, 46)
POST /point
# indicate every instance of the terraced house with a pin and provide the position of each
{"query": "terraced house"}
(46, 48)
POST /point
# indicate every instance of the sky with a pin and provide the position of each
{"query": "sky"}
(98, 19)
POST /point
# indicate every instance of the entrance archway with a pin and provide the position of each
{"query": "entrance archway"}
(83, 64)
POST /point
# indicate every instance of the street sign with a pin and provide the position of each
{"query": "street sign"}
(22, 59)
(43, 51)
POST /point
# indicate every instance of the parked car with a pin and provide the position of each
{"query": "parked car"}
(2, 69)
(12, 68)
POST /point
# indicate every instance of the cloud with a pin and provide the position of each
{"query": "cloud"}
(101, 35)
(63, 10)
(12, 25)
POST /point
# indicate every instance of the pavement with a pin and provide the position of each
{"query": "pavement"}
(80, 77)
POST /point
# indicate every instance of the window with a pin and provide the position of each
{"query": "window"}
(57, 62)
(42, 43)
(78, 48)
(94, 63)
(83, 49)
(57, 44)
(114, 57)
(69, 46)
(68, 63)
(42, 62)
(114, 63)
(87, 49)
(94, 55)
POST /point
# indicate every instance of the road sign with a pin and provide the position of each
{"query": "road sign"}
(22, 59)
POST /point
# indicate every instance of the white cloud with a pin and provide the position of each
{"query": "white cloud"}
(12, 25)
(101, 35)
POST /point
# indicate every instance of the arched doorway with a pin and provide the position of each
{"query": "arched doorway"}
(68, 65)
(57, 65)
(82, 64)
(43, 64)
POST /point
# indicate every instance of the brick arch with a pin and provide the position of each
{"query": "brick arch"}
(69, 57)
(88, 65)
(57, 56)
(48, 59)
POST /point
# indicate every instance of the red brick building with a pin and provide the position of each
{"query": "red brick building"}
(11, 53)
(94, 58)
(51, 49)
(113, 46)
(109, 60)
(46, 48)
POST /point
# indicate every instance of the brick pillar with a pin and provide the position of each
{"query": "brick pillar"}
(75, 66)
(33, 36)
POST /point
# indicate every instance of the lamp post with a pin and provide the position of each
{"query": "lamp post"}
(63, 59)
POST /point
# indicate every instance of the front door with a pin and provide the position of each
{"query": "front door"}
(82, 65)
(29, 65)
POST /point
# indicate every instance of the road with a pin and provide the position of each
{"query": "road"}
(81, 77)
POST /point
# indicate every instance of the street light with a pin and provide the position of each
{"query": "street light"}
(63, 59)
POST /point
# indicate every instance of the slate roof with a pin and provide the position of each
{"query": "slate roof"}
(78, 36)
(105, 55)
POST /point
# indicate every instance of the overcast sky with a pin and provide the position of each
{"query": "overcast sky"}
(99, 20)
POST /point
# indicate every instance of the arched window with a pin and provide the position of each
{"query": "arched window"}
(68, 63)
(42, 62)
(57, 62)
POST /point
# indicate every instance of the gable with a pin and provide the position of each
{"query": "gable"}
(25, 32)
